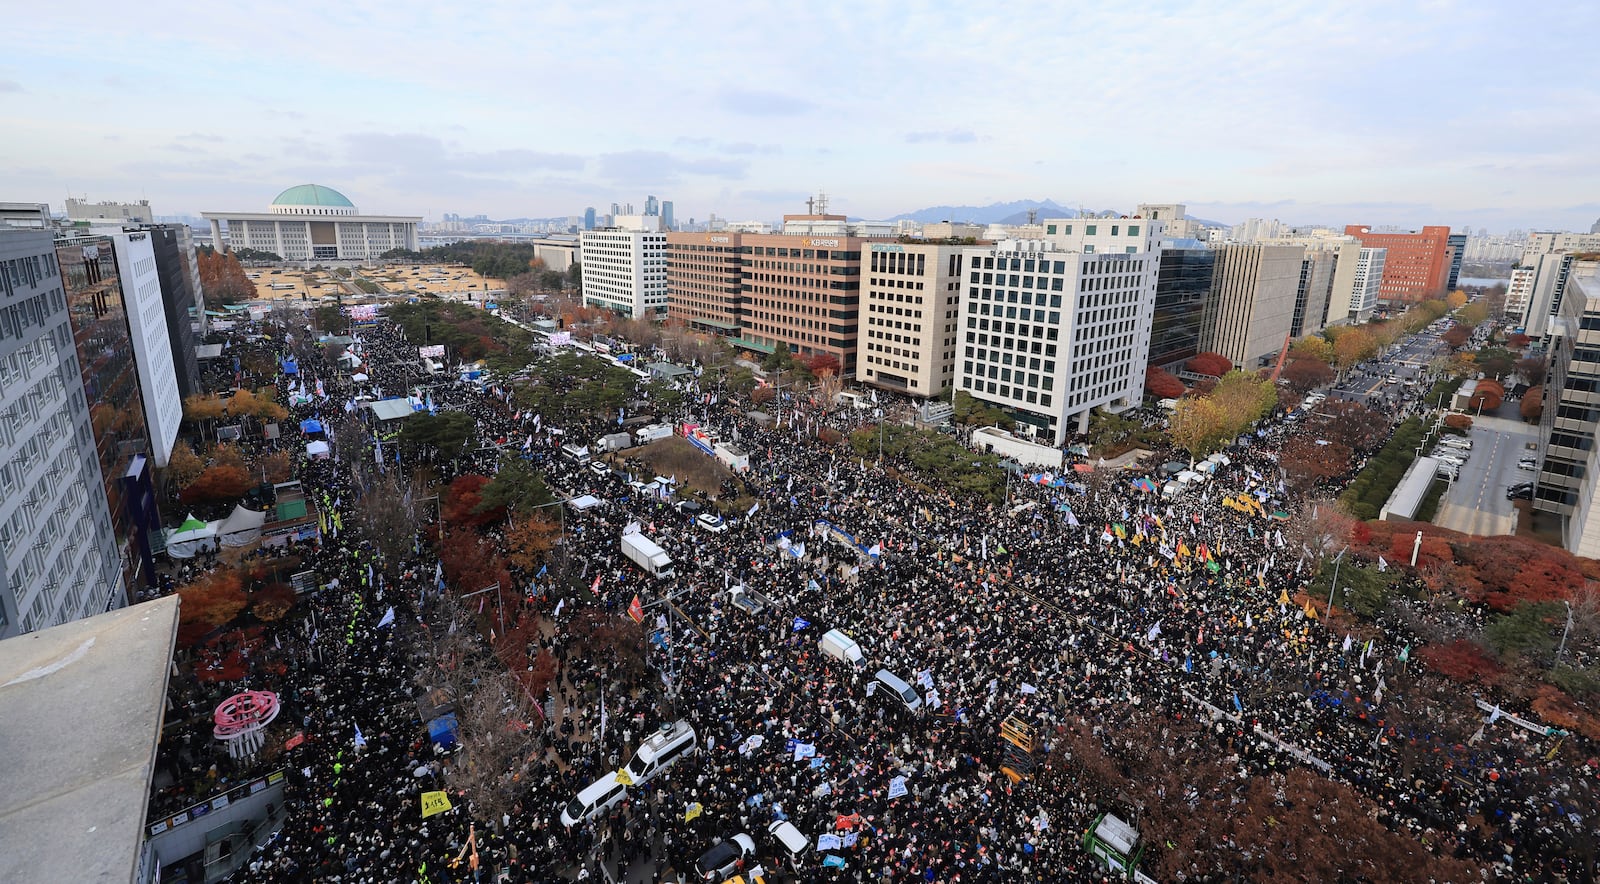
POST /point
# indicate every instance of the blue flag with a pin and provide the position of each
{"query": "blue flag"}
(833, 862)
(801, 623)
(1237, 705)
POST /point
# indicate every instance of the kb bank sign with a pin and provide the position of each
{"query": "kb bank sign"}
(820, 243)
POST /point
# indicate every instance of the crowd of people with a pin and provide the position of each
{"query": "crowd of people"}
(1065, 610)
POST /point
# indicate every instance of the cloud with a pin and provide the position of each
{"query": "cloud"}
(949, 136)
(778, 195)
(10, 86)
(763, 103)
(416, 151)
(653, 168)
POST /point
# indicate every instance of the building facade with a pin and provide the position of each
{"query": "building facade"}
(1183, 286)
(1567, 469)
(181, 298)
(1104, 236)
(625, 267)
(1416, 265)
(705, 281)
(310, 222)
(1519, 293)
(804, 293)
(1049, 335)
(1251, 310)
(1357, 277)
(1311, 296)
(1458, 252)
(152, 348)
(130, 213)
(58, 558)
(910, 303)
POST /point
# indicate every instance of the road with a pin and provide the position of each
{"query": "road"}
(1409, 360)
(1476, 503)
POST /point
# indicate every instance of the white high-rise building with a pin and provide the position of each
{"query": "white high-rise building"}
(1355, 284)
(625, 267)
(1519, 293)
(1050, 334)
(58, 551)
(152, 347)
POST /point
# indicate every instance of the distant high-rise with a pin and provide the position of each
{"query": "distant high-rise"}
(1595, 227)
(651, 207)
(83, 210)
(666, 214)
(1417, 264)
(588, 218)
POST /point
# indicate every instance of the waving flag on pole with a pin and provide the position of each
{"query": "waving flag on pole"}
(636, 610)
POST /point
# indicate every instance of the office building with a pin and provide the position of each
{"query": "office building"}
(625, 267)
(152, 349)
(1416, 265)
(310, 222)
(1546, 242)
(181, 299)
(1251, 310)
(58, 558)
(1183, 285)
(1049, 335)
(938, 231)
(1550, 272)
(1568, 469)
(666, 215)
(1357, 276)
(588, 218)
(34, 216)
(705, 281)
(127, 213)
(910, 303)
(651, 207)
(1458, 252)
(558, 252)
(1315, 289)
(803, 292)
(1103, 236)
(108, 368)
(1519, 293)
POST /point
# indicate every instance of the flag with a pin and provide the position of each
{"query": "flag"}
(833, 861)
(1347, 644)
(1310, 612)
(1155, 630)
(1382, 565)
(692, 811)
(388, 618)
(827, 842)
(1237, 705)
(635, 610)
(803, 751)
(559, 605)
(623, 777)
(1029, 689)
(752, 511)
(1405, 654)
(595, 587)
(1283, 596)
(1494, 715)
(434, 802)
(846, 821)
(801, 623)
(897, 787)
(1072, 519)
(361, 741)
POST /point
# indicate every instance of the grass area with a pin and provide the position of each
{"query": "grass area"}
(368, 286)
(1367, 494)
(1430, 501)
(1364, 589)
(674, 456)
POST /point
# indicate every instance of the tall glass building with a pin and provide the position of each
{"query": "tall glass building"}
(1183, 284)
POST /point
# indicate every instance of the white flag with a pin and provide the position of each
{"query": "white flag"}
(1382, 565)
(388, 618)
(1154, 631)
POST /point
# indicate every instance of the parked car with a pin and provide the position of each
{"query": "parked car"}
(1519, 493)
(726, 858)
(599, 468)
(1527, 463)
(711, 522)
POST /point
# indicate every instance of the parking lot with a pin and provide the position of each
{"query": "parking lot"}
(1476, 503)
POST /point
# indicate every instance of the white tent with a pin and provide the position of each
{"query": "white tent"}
(359, 377)
(191, 538)
(241, 527)
(584, 502)
(316, 448)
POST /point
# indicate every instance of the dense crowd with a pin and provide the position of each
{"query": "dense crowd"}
(1068, 607)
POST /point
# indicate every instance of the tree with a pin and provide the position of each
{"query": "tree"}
(1306, 461)
(1199, 426)
(445, 434)
(223, 278)
(1244, 398)
(1496, 362)
(217, 483)
(1456, 300)
(389, 511)
(1518, 341)
(1214, 364)
(184, 466)
(1306, 374)
(530, 541)
(575, 276)
(1473, 314)
(1532, 405)
(1487, 396)
(1532, 370)
(209, 603)
(516, 487)
(818, 363)
(1351, 424)
(779, 359)
(1353, 345)
(275, 465)
(1312, 347)
(1162, 384)
(464, 503)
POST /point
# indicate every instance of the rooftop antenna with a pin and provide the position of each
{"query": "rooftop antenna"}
(1033, 217)
(822, 203)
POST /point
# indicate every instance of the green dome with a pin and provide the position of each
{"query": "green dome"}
(313, 195)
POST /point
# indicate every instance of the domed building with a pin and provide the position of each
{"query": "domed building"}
(314, 222)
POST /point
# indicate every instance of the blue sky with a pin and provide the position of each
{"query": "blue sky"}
(1479, 114)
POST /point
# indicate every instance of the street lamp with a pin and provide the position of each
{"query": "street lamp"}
(1560, 652)
(1337, 561)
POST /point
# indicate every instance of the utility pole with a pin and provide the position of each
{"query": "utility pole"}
(1337, 561)
(1560, 652)
(1416, 547)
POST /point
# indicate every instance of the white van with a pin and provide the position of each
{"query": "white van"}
(905, 697)
(794, 843)
(843, 648)
(576, 453)
(672, 741)
(595, 799)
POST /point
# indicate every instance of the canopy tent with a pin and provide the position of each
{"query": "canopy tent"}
(317, 449)
(191, 538)
(310, 426)
(291, 367)
(348, 358)
(208, 351)
(241, 526)
(584, 502)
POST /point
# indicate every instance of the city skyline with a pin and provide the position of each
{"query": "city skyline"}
(1308, 114)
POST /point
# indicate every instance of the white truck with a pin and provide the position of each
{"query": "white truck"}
(615, 442)
(843, 648)
(644, 552)
(651, 433)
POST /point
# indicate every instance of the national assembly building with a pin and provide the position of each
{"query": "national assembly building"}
(309, 222)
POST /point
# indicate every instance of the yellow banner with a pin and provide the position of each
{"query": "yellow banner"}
(693, 811)
(623, 777)
(434, 802)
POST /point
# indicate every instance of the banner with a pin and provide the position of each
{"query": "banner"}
(434, 352)
(434, 803)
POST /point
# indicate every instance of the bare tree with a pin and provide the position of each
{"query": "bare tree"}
(389, 511)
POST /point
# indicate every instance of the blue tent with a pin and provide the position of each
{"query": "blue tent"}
(291, 367)
(442, 730)
(311, 426)
(626, 357)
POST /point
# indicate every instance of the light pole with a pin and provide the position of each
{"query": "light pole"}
(672, 659)
(1337, 561)
(1560, 652)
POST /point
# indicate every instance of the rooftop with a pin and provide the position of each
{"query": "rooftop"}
(313, 195)
(80, 715)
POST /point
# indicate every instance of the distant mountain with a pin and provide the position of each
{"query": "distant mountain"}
(1014, 212)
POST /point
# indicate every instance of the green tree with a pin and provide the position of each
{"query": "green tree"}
(516, 487)
(1200, 426)
(446, 434)
(1530, 630)
(575, 276)
(780, 359)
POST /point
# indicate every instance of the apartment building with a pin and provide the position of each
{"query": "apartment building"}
(910, 298)
(58, 557)
(625, 267)
(1049, 334)
(1417, 264)
(1251, 310)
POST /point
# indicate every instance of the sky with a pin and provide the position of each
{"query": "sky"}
(1475, 114)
